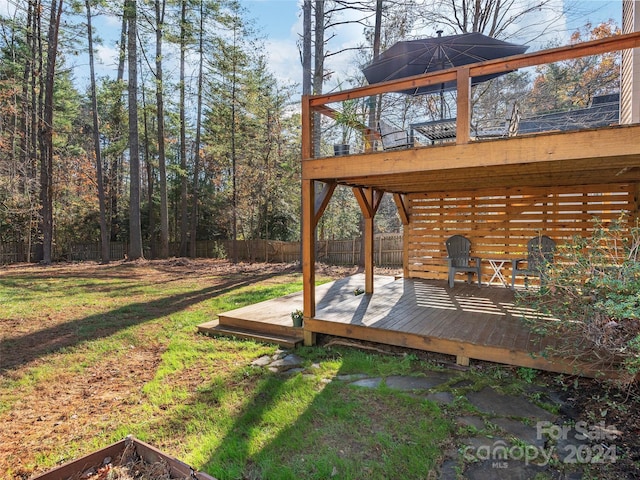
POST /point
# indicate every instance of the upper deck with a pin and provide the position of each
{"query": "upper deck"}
(466, 159)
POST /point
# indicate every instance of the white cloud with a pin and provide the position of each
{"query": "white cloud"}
(107, 56)
(284, 60)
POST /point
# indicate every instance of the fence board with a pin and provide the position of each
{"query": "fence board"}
(388, 250)
(499, 222)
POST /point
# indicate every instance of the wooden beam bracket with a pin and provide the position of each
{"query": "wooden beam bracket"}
(369, 200)
(322, 199)
(403, 207)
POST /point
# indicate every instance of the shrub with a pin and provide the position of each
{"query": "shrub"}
(591, 299)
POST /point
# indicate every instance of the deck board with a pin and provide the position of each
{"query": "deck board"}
(480, 323)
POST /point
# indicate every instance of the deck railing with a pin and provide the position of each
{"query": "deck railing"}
(322, 104)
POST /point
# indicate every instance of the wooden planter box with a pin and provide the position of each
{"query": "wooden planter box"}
(148, 453)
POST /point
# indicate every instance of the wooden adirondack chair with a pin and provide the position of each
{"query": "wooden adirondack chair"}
(393, 137)
(539, 255)
(459, 259)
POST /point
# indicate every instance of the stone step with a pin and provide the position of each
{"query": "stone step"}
(214, 329)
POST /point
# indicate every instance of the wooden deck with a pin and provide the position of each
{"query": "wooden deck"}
(468, 322)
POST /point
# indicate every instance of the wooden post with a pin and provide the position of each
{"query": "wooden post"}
(402, 203)
(369, 200)
(368, 254)
(463, 122)
(308, 222)
(308, 248)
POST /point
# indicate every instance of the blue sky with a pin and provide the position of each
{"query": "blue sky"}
(280, 21)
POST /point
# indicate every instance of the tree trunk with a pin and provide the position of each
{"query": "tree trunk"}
(46, 135)
(150, 175)
(196, 153)
(28, 123)
(376, 53)
(104, 231)
(115, 173)
(306, 48)
(318, 70)
(135, 228)
(162, 162)
(184, 220)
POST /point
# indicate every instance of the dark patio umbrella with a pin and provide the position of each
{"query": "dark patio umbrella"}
(415, 57)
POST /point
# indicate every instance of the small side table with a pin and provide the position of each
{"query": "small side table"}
(497, 264)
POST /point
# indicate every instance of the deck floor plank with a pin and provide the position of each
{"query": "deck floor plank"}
(467, 320)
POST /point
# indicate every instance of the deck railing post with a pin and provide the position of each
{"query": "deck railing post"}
(463, 120)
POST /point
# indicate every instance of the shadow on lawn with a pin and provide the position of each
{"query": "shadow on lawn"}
(334, 433)
(232, 453)
(21, 350)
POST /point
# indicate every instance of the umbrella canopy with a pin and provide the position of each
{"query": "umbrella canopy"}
(415, 57)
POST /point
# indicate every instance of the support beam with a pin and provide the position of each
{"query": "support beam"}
(308, 248)
(369, 200)
(368, 254)
(462, 360)
(402, 204)
(322, 199)
(403, 207)
(309, 338)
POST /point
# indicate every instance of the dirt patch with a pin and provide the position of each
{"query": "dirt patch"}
(73, 407)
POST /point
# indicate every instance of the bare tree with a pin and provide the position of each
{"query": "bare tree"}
(196, 148)
(184, 220)
(104, 230)
(46, 134)
(529, 19)
(135, 227)
(162, 162)
(306, 48)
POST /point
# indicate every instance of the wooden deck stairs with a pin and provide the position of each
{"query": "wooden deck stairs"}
(255, 322)
(246, 329)
(270, 321)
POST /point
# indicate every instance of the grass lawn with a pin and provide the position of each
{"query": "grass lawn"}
(92, 353)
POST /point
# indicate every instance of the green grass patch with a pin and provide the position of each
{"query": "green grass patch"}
(129, 361)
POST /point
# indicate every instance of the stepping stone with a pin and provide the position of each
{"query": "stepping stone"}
(408, 383)
(368, 382)
(445, 398)
(526, 433)
(489, 401)
(293, 371)
(350, 377)
(471, 421)
(449, 470)
(262, 361)
(286, 363)
(475, 443)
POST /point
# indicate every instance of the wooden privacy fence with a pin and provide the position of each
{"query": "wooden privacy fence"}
(388, 251)
(500, 221)
(12, 252)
